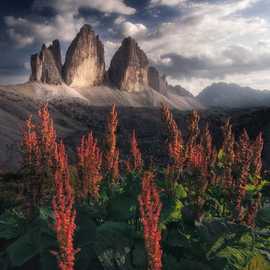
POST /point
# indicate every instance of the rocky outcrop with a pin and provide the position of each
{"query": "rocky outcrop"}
(179, 91)
(46, 66)
(85, 65)
(129, 67)
(156, 81)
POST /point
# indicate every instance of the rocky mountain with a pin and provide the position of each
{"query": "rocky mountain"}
(156, 81)
(46, 66)
(129, 80)
(233, 96)
(84, 65)
(179, 90)
(129, 67)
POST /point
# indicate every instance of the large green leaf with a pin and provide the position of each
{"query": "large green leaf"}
(170, 262)
(258, 262)
(12, 224)
(85, 238)
(175, 238)
(180, 192)
(263, 217)
(171, 211)
(113, 245)
(233, 258)
(38, 239)
(24, 248)
(86, 228)
(233, 246)
(122, 208)
(192, 265)
(139, 257)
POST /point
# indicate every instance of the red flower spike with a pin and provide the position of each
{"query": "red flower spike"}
(257, 159)
(245, 158)
(193, 133)
(112, 152)
(89, 167)
(64, 212)
(135, 163)
(230, 156)
(38, 146)
(150, 208)
(252, 211)
(30, 145)
(175, 144)
(47, 136)
(197, 157)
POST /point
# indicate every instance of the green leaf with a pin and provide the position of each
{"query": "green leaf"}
(86, 228)
(263, 217)
(170, 262)
(85, 238)
(139, 257)
(113, 244)
(11, 225)
(175, 239)
(23, 249)
(48, 260)
(192, 265)
(172, 210)
(180, 192)
(233, 258)
(233, 246)
(221, 155)
(258, 262)
(122, 208)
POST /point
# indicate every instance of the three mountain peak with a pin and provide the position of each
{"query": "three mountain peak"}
(85, 65)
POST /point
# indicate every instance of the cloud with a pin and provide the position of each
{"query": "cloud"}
(64, 6)
(124, 28)
(13, 78)
(237, 60)
(119, 20)
(210, 40)
(66, 22)
(170, 3)
(20, 40)
(132, 29)
(110, 48)
(25, 31)
(239, 65)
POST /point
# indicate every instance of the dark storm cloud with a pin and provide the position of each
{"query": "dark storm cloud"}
(234, 61)
(180, 66)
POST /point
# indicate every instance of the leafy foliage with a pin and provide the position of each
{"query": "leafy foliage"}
(214, 205)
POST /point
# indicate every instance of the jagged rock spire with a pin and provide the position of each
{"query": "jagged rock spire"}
(46, 66)
(85, 65)
(156, 81)
(129, 67)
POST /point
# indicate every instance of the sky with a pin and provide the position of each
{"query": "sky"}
(194, 42)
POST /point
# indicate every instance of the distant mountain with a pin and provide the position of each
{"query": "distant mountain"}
(233, 96)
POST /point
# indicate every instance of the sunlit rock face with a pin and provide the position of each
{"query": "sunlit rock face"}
(179, 91)
(156, 81)
(85, 65)
(46, 66)
(129, 67)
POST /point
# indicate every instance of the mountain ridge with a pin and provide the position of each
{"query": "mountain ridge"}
(231, 95)
(129, 81)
